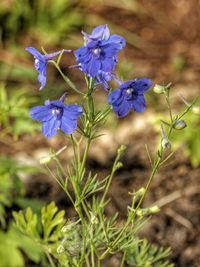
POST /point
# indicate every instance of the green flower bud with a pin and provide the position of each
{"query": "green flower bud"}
(179, 125)
(60, 249)
(118, 165)
(93, 219)
(154, 210)
(45, 160)
(159, 89)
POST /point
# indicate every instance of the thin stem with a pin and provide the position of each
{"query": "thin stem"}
(123, 259)
(66, 79)
(169, 105)
(92, 256)
(49, 258)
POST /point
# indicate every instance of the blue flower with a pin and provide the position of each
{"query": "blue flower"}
(100, 52)
(104, 77)
(129, 95)
(41, 63)
(56, 115)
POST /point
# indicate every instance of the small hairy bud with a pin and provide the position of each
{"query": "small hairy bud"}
(60, 249)
(159, 89)
(121, 149)
(154, 209)
(45, 160)
(166, 144)
(93, 218)
(179, 125)
(118, 165)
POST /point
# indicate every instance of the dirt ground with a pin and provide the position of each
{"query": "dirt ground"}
(169, 35)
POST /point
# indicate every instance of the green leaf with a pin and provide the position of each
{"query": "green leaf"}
(52, 221)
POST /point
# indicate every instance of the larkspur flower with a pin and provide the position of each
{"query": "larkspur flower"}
(41, 61)
(100, 52)
(130, 95)
(55, 115)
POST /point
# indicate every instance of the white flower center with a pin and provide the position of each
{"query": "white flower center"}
(129, 91)
(37, 63)
(96, 51)
(55, 111)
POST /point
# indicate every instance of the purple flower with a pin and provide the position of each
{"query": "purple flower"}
(129, 95)
(41, 63)
(100, 51)
(104, 77)
(56, 115)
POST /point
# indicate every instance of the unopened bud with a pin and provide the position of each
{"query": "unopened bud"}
(196, 110)
(166, 144)
(141, 191)
(93, 218)
(118, 165)
(45, 160)
(154, 209)
(159, 89)
(179, 125)
(60, 249)
(121, 149)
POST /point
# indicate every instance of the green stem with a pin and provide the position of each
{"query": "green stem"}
(66, 79)
(123, 259)
(49, 258)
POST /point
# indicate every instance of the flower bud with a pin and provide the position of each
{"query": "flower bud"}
(154, 210)
(45, 160)
(196, 110)
(159, 89)
(93, 219)
(166, 144)
(121, 149)
(60, 249)
(179, 125)
(118, 165)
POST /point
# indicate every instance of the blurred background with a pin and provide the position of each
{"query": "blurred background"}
(163, 43)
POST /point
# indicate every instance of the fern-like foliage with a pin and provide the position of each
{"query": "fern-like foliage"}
(144, 254)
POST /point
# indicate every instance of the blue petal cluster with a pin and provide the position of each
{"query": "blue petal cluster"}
(100, 52)
(130, 95)
(56, 115)
(41, 63)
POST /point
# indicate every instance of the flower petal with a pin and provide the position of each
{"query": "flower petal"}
(93, 66)
(68, 125)
(122, 109)
(139, 104)
(35, 53)
(114, 38)
(141, 85)
(82, 54)
(115, 97)
(42, 76)
(101, 32)
(73, 111)
(41, 113)
(50, 128)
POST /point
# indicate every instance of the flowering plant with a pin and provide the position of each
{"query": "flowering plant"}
(91, 238)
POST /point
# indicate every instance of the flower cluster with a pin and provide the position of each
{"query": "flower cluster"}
(97, 59)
